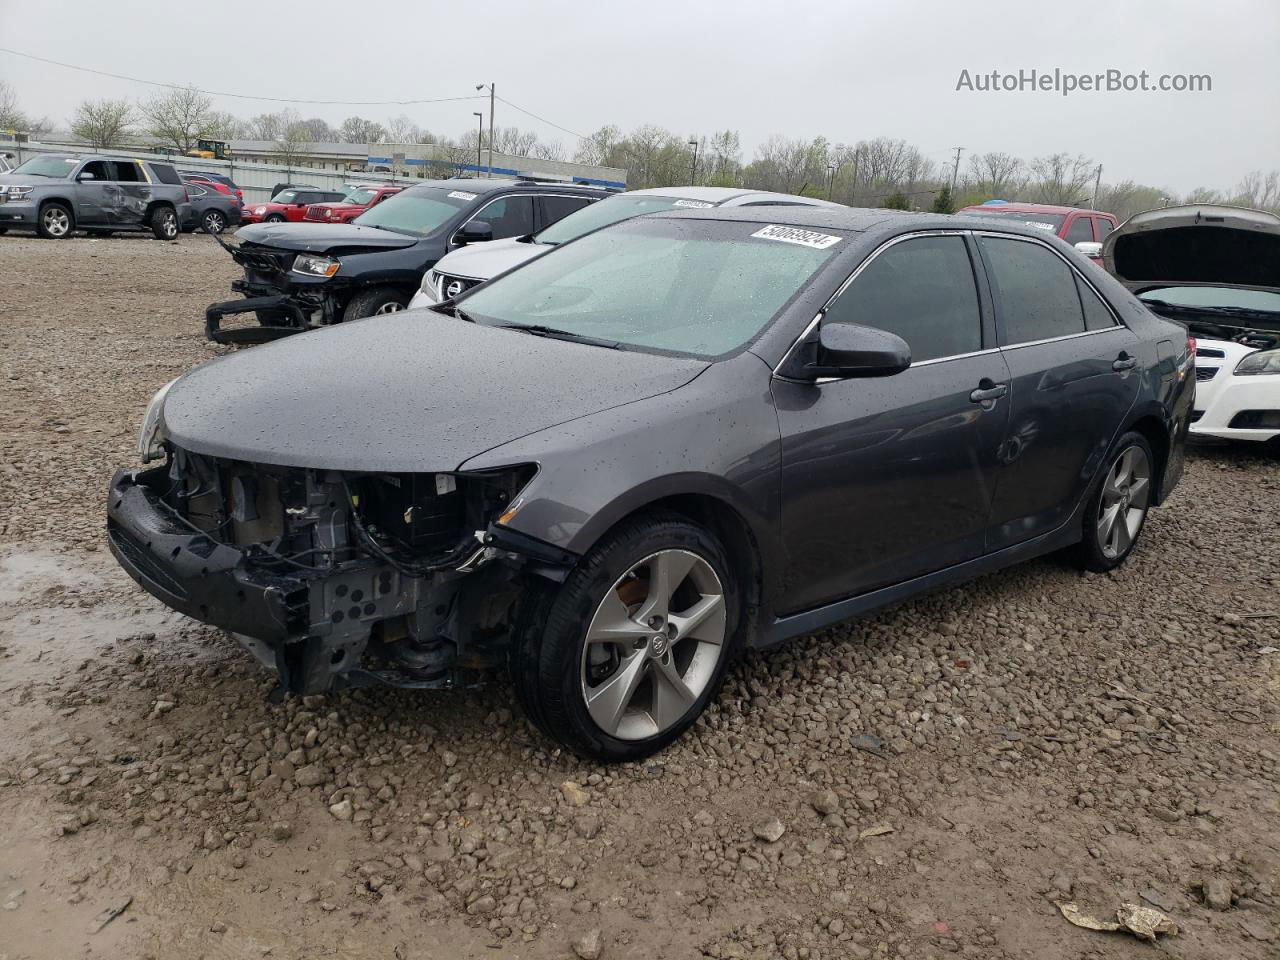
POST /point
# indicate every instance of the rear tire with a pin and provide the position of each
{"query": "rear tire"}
(164, 223)
(375, 301)
(56, 221)
(1116, 512)
(611, 628)
(214, 221)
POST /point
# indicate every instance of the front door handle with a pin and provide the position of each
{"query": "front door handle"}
(988, 391)
(1124, 362)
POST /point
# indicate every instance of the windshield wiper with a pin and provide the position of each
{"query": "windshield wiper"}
(554, 333)
(451, 311)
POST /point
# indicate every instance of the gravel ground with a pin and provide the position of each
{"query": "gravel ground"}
(925, 782)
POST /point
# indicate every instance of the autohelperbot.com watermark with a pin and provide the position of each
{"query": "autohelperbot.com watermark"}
(1065, 82)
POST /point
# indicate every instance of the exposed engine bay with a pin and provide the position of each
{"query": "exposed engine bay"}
(335, 578)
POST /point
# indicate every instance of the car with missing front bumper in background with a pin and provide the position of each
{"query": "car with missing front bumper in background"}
(298, 277)
(471, 265)
(674, 438)
(1216, 269)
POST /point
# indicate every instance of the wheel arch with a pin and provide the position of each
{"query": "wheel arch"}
(1152, 424)
(155, 205)
(61, 201)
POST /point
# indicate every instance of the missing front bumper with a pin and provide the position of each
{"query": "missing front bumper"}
(293, 319)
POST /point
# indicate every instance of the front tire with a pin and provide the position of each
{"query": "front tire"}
(56, 221)
(1117, 510)
(375, 301)
(273, 218)
(164, 223)
(630, 650)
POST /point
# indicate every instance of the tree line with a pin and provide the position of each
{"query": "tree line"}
(876, 172)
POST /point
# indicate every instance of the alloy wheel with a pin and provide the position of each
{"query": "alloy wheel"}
(390, 307)
(1126, 494)
(653, 645)
(169, 224)
(57, 222)
(213, 222)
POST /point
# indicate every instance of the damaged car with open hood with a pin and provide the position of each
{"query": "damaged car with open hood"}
(1215, 269)
(658, 444)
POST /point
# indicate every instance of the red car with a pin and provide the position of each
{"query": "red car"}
(1072, 224)
(356, 202)
(219, 183)
(288, 205)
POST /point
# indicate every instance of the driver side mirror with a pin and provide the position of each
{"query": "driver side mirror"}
(1090, 248)
(86, 176)
(848, 350)
(474, 231)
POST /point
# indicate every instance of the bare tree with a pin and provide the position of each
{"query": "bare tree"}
(1258, 190)
(265, 126)
(1203, 195)
(13, 117)
(548, 150)
(178, 117)
(224, 126)
(402, 130)
(1061, 178)
(291, 137)
(995, 174)
(360, 130)
(724, 154)
(103, 123)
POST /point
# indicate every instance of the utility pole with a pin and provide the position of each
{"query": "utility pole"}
(492, 96)
(693, 169)
(479, 138)
(955, 171)
(1097, 187)
(853, 187)
(831, 178)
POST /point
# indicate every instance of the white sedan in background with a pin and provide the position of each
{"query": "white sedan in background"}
(471, 265)
(1215, 269)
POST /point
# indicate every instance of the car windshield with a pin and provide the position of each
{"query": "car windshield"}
(360, 196)
(1046, 221)
(285, 196)
(698, 287)
(419, 211)
(1221, 297)
(48, 166)
(596, 215)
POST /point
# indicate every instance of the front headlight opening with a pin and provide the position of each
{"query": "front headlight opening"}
(152, 434)
(1260, 363)
(315, 266)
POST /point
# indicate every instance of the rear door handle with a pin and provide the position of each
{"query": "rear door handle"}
(989, 391)
(1124, 362)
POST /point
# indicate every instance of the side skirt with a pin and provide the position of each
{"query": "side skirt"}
(785, 628)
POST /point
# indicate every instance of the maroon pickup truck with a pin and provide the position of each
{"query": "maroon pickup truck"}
(1072, 224)
(357, 202)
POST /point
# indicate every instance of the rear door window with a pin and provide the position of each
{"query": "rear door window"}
(127, 171)
(557, 208)
(1037, 290)
(1105, 226)
(923, 290)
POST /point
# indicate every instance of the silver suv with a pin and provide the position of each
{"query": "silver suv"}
(56, 194)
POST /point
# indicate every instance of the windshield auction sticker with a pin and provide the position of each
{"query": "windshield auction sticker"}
(696, 204)
(461, 195)
(806, 238)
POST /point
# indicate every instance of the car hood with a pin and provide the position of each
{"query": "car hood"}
(414, 391)
(1196, 245)
(17, 178)
(323, 237)
(481, 261)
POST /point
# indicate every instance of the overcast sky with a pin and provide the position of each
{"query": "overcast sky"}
(846, 70)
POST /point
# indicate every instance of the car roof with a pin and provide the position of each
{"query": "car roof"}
(721, 195)
(478, 185)
(849, 219)
(1028, 208)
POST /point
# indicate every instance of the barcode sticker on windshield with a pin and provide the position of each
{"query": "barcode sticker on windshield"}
(806, 238)
(696, 204)
(1038, 225)
(461, 195)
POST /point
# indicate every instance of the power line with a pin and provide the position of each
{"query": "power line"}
(543, 119)
(245, 96)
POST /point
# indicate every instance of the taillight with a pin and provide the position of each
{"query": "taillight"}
(186, 196)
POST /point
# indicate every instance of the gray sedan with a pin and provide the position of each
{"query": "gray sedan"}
(211, 210)
(667, 441)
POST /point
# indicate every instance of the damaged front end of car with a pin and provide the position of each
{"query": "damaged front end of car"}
(335, 578)
(284, 301)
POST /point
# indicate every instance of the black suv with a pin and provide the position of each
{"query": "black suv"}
(299, 276)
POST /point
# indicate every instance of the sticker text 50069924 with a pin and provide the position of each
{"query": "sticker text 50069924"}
(806, 238)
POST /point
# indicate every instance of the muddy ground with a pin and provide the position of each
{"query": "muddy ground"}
(944, 772)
